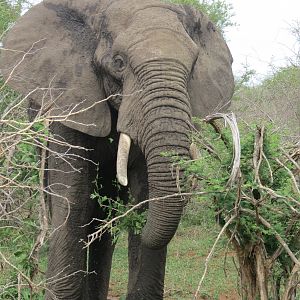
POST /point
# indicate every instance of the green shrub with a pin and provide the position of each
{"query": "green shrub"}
(264, 203)
(9, 12)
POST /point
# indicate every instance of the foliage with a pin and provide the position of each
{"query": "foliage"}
(116, 208)
(289, 75)
(266, 194)
(9, 12)
(16, 246)
(19, 181)
(219, 11)
(245, 79)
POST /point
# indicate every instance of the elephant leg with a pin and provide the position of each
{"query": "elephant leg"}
(100, 260)
(146, 266)
(146, 270)
(69, 187)
(101, 251)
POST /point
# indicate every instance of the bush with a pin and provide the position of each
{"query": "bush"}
(261, 211)
(20, 194)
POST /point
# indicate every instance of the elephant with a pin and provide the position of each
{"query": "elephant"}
(121, 80)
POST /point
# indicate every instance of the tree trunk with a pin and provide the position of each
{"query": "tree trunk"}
(261, 273)
(292, 283)
(249, 290)
(254, 273)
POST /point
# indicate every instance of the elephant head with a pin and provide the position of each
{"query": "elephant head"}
(157, 64)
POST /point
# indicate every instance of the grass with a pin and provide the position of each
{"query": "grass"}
(186, 258)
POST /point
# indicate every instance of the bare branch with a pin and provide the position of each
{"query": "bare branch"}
(208, 258)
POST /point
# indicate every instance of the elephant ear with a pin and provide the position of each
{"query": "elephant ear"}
(48, 56)
(212, 84)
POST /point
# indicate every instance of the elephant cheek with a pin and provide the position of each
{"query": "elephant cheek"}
(130, 116)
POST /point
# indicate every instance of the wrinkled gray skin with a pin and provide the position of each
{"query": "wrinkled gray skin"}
(170, 63)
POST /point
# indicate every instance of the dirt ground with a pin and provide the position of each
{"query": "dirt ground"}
(230, 296)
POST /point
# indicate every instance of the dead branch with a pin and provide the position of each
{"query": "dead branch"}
(208, 258)
(295, 185)
(258, 153)
(43, 212)
(230, 119)
(292, 283)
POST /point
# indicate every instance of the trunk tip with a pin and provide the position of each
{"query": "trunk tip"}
(153, 246)
(153, 242)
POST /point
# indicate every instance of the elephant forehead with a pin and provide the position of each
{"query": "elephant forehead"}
(156, 17)
(159, 32)
(163, 44)
(120, 14)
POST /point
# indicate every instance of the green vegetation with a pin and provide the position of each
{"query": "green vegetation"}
(120, 211)
(275, 100)
(9, 12)
(19, 188)
(19, 198)
(261, 211)
(219, 11)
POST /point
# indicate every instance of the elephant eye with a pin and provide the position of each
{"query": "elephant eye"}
(119, 63)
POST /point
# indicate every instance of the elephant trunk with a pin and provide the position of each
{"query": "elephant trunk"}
(160, 125)
(164, 179)
(166, 130)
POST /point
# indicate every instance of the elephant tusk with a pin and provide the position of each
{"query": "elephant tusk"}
(194, 152)
(122, 158)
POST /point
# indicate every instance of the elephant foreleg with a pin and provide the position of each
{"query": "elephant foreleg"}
(146, 271)
(70, 178)
(100, 260)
